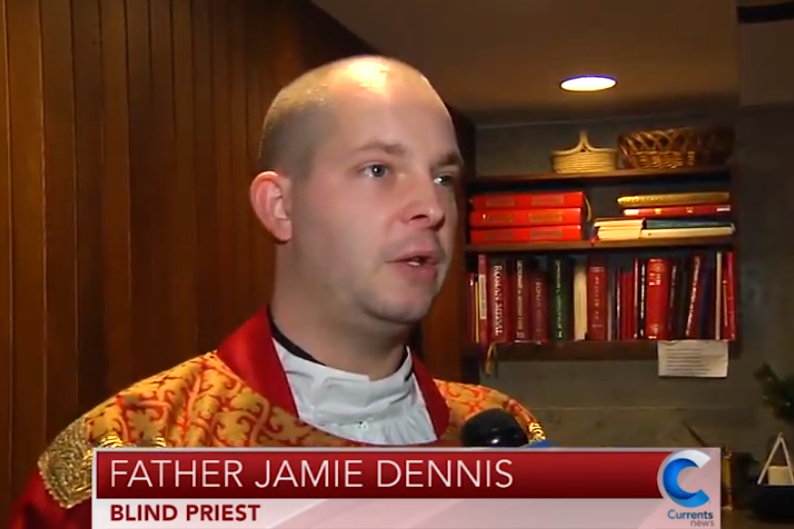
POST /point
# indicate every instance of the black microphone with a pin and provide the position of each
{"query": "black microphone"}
(494, 428)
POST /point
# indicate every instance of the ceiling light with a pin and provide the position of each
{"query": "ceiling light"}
(588, 83)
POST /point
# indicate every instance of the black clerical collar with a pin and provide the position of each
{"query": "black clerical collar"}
(296, 350)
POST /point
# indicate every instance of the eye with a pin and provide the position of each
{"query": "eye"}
(446, 180)
(376, 170)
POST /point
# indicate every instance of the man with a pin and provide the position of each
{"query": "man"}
(359, 163)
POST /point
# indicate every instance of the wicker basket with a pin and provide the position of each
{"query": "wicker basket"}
(584, 158)
(672, 148)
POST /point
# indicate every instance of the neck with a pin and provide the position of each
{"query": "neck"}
(338, 344)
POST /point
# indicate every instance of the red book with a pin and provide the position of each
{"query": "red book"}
(729, 297)
(703, 210)
(676, 293)
(695, 295)
(482, 299)
(569, 199)
(617, 311)
(657, 299)
(527, 235)
(597, 299)
(628, 305)
(498, 306)
(507, 218)
(539, 307)
(520, 308)
(471, 308)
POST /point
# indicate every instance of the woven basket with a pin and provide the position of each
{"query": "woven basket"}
(584, 158)
(673, 148)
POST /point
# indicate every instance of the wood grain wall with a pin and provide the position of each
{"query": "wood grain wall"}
(129, 130)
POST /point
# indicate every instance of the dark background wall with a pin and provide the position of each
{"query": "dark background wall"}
(128, 138)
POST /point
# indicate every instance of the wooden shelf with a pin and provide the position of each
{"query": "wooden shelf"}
(579, 351)
(587, 246)
(493, 183)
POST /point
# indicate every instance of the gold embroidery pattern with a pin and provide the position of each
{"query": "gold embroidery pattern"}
(203, 403)
(536, 433)
(114, 441)
(65, 467)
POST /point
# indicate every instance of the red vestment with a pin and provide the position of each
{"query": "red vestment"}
(233, 397)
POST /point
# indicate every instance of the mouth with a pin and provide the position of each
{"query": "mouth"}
(420, 259)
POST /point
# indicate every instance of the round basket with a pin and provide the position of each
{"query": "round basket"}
(584, 158)
(673, 148)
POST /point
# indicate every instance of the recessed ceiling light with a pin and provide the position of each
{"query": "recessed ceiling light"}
(588, 83)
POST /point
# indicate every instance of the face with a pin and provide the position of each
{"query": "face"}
(374, 222)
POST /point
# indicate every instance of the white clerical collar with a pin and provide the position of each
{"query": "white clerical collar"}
(324, 395)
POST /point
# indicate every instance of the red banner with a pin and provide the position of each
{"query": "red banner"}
(372, 474)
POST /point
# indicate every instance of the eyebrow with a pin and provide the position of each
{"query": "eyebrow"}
(452, 158)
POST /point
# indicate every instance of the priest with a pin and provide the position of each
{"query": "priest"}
(358, 168)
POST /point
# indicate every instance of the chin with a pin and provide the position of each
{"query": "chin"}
(403, 312)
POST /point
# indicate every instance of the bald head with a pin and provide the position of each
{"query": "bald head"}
(302, 112)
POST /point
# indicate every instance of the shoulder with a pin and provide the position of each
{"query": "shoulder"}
(132, 417)
(65, 466)
(144, 411)
(466, 400)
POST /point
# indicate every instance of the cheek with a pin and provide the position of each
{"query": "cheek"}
(333, 234)
(451, 224)
(452, 211)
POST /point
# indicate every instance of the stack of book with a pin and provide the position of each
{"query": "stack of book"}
(563, 298)
(669, 216)
(527, 217)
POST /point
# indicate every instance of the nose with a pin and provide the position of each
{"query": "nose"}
(425, 205)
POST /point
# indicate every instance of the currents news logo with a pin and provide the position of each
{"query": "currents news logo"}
(691, 501)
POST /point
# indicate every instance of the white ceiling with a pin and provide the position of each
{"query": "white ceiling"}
(502, 60)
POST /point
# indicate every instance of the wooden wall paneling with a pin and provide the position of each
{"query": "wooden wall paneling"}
(173, 289)
(142, 199)
(184, 236)
(59, 210)
(129, 136)
(162, 205)
(262, 89)
(224, 184)
(89, 167)
(6, 274)
(29, 415)
(207, 211)
(238, 278)
(119, 349)
(285, 46)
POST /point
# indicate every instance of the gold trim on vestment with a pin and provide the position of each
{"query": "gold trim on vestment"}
(66, 465)
(536, 433)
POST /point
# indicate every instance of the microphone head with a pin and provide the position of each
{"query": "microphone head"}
(494, 427)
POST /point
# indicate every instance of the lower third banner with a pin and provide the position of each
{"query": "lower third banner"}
(407, 488)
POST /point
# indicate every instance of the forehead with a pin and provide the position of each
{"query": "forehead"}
(420, 125)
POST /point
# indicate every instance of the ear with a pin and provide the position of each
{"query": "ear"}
(270, 195)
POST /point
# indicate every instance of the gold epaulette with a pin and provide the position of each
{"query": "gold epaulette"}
(536, 433)
(66, 465)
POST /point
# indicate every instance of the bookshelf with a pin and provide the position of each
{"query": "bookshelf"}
(589, 246)
(584, 350)
(601, 190)
(496, 183)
